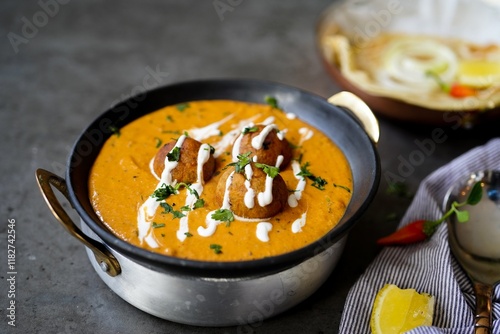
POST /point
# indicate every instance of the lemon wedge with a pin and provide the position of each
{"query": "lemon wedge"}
(398, 310)
(478, 74)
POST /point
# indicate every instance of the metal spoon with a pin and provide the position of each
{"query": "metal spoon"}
(476, 243)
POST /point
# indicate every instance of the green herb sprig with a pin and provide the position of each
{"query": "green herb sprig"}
(243, 160)
(216, 248)
(271, 171)
(318, 182)
(223, 215)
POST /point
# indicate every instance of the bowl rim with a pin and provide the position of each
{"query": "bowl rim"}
(254, 267)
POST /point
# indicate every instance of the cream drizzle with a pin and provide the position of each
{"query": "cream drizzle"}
(306, 134)
(299, 223)
(262, 231)
(266, 197)
(258, 140)
(237, 142)
(229, 137)
(290, 115)
(203, 156)
(149, 207)
(210, 222)
(294, 197)
(268, 120)
(250, 193)
(208, 131)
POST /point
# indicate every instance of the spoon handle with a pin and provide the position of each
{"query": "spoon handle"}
(483, 308)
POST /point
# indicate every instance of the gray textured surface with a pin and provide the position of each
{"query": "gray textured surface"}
(91, 54)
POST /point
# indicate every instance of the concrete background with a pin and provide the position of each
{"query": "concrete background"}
(82, 57)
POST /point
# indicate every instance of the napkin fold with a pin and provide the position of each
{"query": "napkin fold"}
(428, 266)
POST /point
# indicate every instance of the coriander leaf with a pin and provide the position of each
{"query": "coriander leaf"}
(272, 101)
(199, 203)
(250, 130)
(462, 216)
(187, 234)
(185, 208)
(174, 154)
(319, 183)
(167, 207)
(223, 215)
(158, 142)
(193, 192)
(115, 130)
(156, 225)
(211, 148)
(243, 160)
(304, 172)
(182, 106)
(170, 119)
(178, 214)
(217, 248)
(475, 194)
(163, 192)
(271, 171)
(343, 187)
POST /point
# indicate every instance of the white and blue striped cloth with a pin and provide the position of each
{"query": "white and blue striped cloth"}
(427, 266)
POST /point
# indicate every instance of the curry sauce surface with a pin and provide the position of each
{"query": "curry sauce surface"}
(121, 180)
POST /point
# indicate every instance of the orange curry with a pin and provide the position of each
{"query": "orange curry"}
(123, 182)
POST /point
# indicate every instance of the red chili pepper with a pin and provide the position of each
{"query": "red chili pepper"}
(413, 232)
(458, 90)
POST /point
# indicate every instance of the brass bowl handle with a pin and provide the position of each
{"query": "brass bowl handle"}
(46, 180)
(360, 110)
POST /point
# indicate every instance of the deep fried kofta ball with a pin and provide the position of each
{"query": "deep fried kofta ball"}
(245, 202)
(187, 165)
(264, 142)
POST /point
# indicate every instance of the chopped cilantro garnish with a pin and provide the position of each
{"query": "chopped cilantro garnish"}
(199, 203)
(223, 215)
(243, 160)
(164, 192)
(156, 225)
(318, 182)
(343, 187)
(174, 154)
(167, 207)
(178, 214)
(187, 234)
(250, 130)
(185, 208)
(158, 142)
(272, 101)
(170, 119)
(182, 106)
(115, 130)
(216, 248)
(272, 171)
